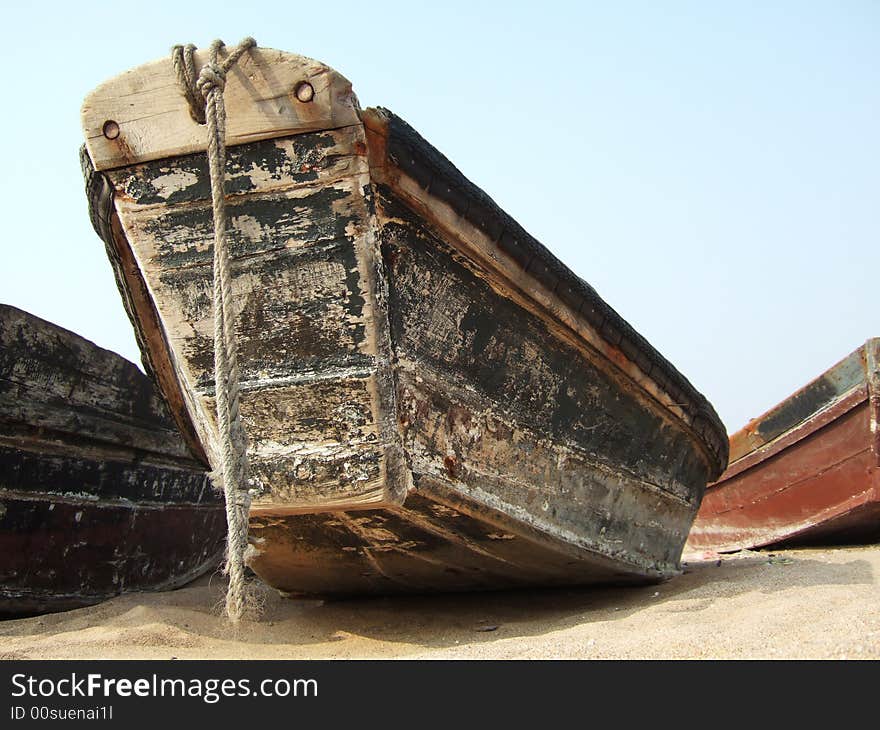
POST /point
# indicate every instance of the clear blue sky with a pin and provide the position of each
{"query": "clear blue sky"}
(713, 169)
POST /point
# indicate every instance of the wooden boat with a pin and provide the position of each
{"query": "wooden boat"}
(806, 472)
(432, 400)
(99, 495)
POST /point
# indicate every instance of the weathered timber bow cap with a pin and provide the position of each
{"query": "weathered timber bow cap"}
(268, 93)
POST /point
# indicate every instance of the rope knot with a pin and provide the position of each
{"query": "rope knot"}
(212, 76)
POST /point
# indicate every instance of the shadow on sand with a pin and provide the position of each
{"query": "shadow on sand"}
(440, 621)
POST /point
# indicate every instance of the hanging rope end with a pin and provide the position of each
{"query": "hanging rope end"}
(245, 596)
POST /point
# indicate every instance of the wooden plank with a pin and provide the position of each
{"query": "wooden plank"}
(301, 241)
(80, 477)
(448, 318)
(155, 122)
(59, 554)
(297, 313)
(272, 165)
(424, 546)
(54, 380)
(313, 443)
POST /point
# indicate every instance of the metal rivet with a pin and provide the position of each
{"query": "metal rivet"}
(304, 92)
(110, 129)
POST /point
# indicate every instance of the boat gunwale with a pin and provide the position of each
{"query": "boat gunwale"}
(427, 167)
(866, 387)
(816, 421)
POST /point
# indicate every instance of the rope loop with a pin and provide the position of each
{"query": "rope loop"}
(197, 86)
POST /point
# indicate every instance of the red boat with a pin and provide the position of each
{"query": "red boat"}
(806, 472)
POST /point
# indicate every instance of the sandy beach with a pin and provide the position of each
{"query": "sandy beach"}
(807, 603)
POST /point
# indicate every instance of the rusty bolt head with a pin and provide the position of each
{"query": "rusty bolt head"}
(110, 129)
(304, 92)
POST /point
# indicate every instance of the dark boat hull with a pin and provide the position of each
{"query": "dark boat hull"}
(98, 494)
(432, 400)
(61, 551)
(807, 472)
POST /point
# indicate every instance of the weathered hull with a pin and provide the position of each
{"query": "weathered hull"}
(432, 400)
(807, 472)
(98, 493)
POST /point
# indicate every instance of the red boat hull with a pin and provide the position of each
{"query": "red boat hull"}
(816, 482)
